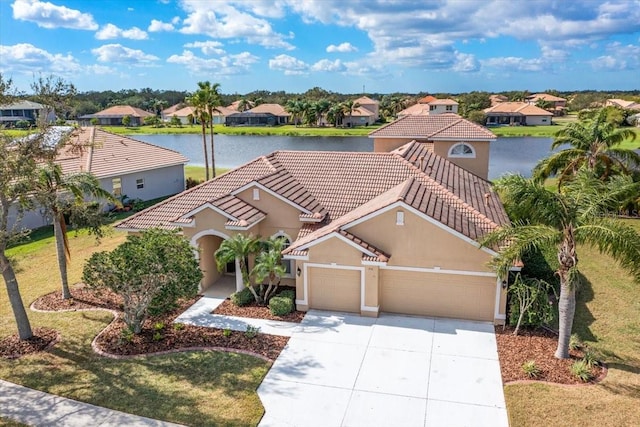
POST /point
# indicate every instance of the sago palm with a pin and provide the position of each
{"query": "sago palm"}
(592, 142)
(577, 214)
(53, 192)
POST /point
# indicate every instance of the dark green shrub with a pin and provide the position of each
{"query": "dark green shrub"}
(22, 124)
(288, 293)
(191, 182)
(242, 298)
(251, 331)
(281, 306)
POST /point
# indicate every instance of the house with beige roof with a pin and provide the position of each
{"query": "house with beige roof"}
(624, 104)
(434, 106)
(366, 113)
(367, 232)
(123, 166)
(557, 105)
(261, 115)
(517, 114)
(112, 116)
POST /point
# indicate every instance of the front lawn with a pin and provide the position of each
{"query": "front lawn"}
(608, 320)
(196, 388)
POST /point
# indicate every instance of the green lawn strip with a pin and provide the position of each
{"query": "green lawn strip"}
(197, 172)
(608, 320)
(534, 131)
(5, 422)
(199, 388)
(285, 130)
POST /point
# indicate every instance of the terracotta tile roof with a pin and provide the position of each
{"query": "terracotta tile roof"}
(284, 184)
(183, 112)
(122, 110)
(104, 154)
(362, 112)
(427, 99)
(378, 255)
(545, 96)
(443, 102)
(275, 109)
(173, 108)
(517, 108)
(433, 127)
(365, 100)
(416, 109)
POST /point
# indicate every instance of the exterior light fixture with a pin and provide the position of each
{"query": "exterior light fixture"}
(298, 271)
(504, 284)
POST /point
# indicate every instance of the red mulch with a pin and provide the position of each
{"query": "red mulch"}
(167, 338)
(538, 345)
(12, 347)
(256, 311)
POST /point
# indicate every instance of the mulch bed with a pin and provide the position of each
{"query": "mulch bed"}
(256, 311)
(159, 334)
(12, 347)
(538, 345)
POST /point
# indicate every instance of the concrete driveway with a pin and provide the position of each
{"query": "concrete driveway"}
(346, 370)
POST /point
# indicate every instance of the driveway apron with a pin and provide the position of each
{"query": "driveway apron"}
(345, 370)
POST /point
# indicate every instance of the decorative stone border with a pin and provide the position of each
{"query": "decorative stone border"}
(594, 381)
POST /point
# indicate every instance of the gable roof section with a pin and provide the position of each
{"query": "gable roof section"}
(444, 126)
(275, 109)
(22, 105)
(545, 96)
(517, 108)
(104, 154)
(121, 111)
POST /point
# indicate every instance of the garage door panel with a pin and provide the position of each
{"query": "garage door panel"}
(440, 295)
(334, 289)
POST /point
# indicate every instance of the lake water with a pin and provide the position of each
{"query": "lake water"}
(517, 155)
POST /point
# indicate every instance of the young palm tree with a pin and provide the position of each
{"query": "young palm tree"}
(199, 102)
(593, 143)
(577, 214)
(238, 247)
(53, 191)
(269, 267)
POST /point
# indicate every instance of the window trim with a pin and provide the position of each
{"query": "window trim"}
(471, 155)
(139, 183)
(291, 274)
(119, 187)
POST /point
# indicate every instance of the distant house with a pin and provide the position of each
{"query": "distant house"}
(184, 115)
(124, 166)
(366, 113)
(28, 111)
(261, 115)
(621, 103)
(434, 106)
(517, 113)
(221, 113)
(496, 99)
(557, 105)
(166, 114)
(112, 116)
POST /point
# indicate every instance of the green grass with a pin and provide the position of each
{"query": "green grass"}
(197, 172)
(536, 131)
(608, 320)
(285, 130)
(197, 388)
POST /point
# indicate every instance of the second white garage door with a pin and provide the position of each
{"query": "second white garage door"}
(334, 289)
(440, 295)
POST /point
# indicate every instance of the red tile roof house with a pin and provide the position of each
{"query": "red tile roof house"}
(368, 231)
(112, 116)
(124, 166)
(517, 114)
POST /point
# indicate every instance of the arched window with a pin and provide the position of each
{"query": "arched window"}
(286, 263)
(462, 150)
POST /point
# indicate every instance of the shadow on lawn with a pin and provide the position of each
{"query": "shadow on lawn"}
(628, 388)
(583, 317)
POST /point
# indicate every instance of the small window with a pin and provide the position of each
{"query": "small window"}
(116, 184)
(400, 218)
(140, 183)
(449, 107)
(432, 107)
(462, 150)
(256, 194)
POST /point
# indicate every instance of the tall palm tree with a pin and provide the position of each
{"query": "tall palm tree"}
(199, 103)
(53, 192)
(349, 107)
(592, 142)
(294, 107)
(238, 248)
(212, 100)
(576, 214)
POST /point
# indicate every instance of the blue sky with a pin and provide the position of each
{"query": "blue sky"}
(293, 45)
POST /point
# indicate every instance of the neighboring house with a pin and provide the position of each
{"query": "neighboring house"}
(435, 106)
(517, 113)
(366, 113)
(621, 103)
(557, 105)
(262, 115)
(184, 115)
(496, 99)
(28, 111)
(166, 114)
(221, 113)
(451, 137)
(112, 116)
(367, 232)
(124, 166)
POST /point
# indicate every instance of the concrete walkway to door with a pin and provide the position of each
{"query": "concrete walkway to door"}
(345, 370)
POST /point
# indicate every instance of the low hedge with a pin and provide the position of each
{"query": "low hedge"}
(281, 306)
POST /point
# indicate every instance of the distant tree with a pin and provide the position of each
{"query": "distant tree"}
(55, 94)
(349, 107)
(544, 104)
(244, 105)
(473, 101)
(126, 120)
(151, 271)
(477, 116)
(152, 121)
(175, 121)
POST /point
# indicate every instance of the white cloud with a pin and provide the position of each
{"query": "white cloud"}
(110, 31)
(512, 63)
(289, 65)
(100, 69)
(49, 15)
(225, 65)
(465, 63)
(223, 21)
(618, 57)
(27, 58)
(209, 47)
(157, 26)
(342, 48)
(329, 66)
(116, 53)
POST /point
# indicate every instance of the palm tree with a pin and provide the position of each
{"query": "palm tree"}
(577, 214)
(212, 100)
(53, 192)
(269, 266)
(349, 107)
(244, 104)
(237, 249)
(294, 107)
(592, 142)
(199, 103)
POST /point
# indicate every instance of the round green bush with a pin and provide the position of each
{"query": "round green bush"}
(288, 293)
(242, 298)
(280, 306)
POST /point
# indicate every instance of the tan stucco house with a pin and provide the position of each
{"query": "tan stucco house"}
(517, 114)
(369, 232)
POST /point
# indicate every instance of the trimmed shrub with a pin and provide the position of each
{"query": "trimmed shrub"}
(281, 306)
(288, 293)
(242, 298)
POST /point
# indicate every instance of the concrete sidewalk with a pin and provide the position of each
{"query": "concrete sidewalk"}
(36, 408)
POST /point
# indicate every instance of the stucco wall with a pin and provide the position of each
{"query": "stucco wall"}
(157, 183)
(478, 165)
(281, 217)
(538, 120)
